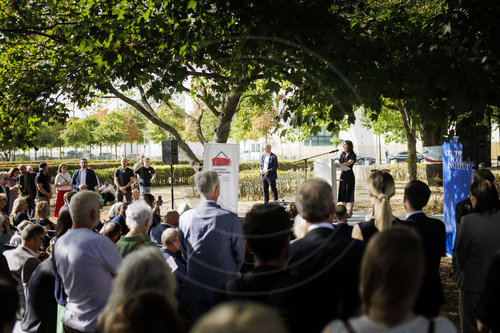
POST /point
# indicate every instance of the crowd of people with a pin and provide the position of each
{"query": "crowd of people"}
(207, 270)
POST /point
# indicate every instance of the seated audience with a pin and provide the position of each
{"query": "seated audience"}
(433, 235)
(113, 231)
(86, 263)
(391, 273)
(475, 243)
(42, 213)
(24, 258)
(121, 218)
(340, 213)
(114, 210)
(9, 307)
(170, 250)
(170, 220)
(341, 225)
(324, 263)
(488, 307)
(155, 208)
(145, 311)
(139, 219)
(269, 243)
(19, 211)
(16, 237)
(108, 192)
(292, 211)
(144, 269)
(64, 223)
(5, 232)
(381, 188)
(240, 317)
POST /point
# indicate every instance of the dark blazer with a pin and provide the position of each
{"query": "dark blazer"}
(326, 267)
(488, 308)
(476, 241)
(90, 180)
(272, 167)
(433, 234)
(31, 184)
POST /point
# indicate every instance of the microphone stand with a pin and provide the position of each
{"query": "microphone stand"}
(308, 158)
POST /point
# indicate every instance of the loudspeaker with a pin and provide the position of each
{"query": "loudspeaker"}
(476, 144)
(170, 152)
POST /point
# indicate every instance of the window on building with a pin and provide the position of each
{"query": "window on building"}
(256, 148)
(323, 138)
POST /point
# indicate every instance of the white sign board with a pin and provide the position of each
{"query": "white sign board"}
(327, 169)
(224, 158)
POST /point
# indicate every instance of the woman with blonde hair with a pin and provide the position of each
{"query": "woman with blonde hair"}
(381, 187)
(62, 185)
(42, 212)
(392, 271)
(19, 211)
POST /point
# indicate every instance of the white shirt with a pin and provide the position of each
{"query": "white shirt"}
(109, 187)
(326, 225)
(83, 176)
(266, 162)
(62, 178)
(413, 213)
(86, 263)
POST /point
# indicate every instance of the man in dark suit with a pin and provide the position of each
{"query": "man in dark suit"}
(85, 178)
(28, 188)
(488, 308)
(269, 173)
(433, 234)
(211, 242)
(325, 263)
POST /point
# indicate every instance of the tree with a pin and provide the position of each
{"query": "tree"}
(76, 134)
(112, 129)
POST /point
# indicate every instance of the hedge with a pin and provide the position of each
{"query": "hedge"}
(183, 172)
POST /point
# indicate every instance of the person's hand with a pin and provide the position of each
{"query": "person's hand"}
(266, 173)
(482, 327)
(42, 255)
(141, 181)
(50, 195)
(82, 187)
(123, 189)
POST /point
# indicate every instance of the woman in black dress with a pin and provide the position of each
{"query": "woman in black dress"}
(347, 180)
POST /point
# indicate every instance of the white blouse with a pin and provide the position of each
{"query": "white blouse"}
(62, 178)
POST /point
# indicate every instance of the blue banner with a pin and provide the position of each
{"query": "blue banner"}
(457, 176)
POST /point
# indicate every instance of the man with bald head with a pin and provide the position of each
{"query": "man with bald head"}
(269, 173)
(86, 263)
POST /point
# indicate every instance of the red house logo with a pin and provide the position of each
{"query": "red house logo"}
(221, 161)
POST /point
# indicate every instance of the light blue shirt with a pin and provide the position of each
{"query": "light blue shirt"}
(212, 244)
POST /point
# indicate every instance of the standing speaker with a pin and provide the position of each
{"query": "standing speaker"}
(170, 152)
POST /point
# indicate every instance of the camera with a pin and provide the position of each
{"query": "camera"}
(159, 202)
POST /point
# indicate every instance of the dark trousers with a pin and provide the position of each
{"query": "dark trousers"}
(265, 184)
(128, 196)
(31, 207)
(108, 197)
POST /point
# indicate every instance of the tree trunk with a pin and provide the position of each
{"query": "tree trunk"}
(411, 138)
(229, 107)
(432, 135)
(116, 151)
(149, 113)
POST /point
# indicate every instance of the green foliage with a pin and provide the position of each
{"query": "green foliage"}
(388, 123)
